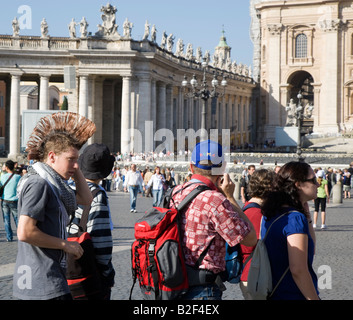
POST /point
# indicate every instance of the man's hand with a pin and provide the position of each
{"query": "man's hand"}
(74, 248)
(226, 186)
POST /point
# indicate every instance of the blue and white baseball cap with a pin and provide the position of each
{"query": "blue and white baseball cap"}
(207, 150)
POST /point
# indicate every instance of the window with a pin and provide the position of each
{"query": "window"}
(301, 46)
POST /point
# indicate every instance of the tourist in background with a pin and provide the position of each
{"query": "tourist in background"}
(156, 182)
(346, 184)
(133, 182)
(244, 183)
(9, 197)
(323, 195)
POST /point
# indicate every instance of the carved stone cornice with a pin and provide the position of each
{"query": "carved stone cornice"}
(328, 25)
(275, 28)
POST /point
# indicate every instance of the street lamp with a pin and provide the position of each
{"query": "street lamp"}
(300, 113)
(204, 93)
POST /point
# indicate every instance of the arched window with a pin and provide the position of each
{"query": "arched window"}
(301, 46)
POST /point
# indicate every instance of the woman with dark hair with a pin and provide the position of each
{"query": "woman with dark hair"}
(260, 184)
(291, 242)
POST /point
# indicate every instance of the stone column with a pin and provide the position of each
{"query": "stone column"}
(15, 117)
(161, 106)
(154, 104)
(98, 110)
(90, 104)
(169, 107)
(44, 92)
(144, 108)
(274, 64)
(125, 114)
(83, 96)
(328, 110)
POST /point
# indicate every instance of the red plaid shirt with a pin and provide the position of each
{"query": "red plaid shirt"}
(209, 216)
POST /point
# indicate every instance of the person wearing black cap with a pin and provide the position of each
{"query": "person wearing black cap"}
(96, 163)
(212, 219)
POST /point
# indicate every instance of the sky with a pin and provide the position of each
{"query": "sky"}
(194, 21)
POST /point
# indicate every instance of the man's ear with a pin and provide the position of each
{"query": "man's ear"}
(51, 156)
(191, 166)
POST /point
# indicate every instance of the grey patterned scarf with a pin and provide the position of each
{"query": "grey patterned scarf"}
(61, 188)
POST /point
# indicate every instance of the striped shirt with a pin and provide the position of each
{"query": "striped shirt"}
(99, 228)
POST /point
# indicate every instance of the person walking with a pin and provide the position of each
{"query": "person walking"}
(96, 163)
(323, 196)
(259, 186)
(133, 182)
(157, 180)
(45, 204)
(9, 199)
(346, 184)
(290, 242)
(212, 219)
(146, 178)
(245, 182)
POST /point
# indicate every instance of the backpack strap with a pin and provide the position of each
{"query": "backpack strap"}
(191, 196)
(4, 185)
(85, 213)
(285, 272)
(183, 204)
(251, 205)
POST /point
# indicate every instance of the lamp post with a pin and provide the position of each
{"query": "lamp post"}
(300, 113)
(204, 93)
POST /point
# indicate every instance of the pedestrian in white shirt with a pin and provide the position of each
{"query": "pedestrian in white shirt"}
(157, 190)
(133, 182)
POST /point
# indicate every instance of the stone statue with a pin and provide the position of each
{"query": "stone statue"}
(108, 28)
(240, 69)
(127, 26)
(229, 64)
(215, 60)
(164, 40)
(207, 57)
(189, 52)
(154, 34)
(179, 48)
(291, 121)
(15, 27)
(199, 54)
(147, 31)
(234, 67)
(44, 28)
(170, 42)
(83, 27)
(72, 28)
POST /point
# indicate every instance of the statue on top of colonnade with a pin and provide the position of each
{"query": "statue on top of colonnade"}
(108, 28)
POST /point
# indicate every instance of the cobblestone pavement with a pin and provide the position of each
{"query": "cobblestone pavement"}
(333, 260)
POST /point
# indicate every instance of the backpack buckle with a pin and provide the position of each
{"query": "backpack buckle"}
(151, 248)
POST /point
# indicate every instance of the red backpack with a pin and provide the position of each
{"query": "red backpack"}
(157, 255)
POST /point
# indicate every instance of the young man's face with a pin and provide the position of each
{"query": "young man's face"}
(65, 163)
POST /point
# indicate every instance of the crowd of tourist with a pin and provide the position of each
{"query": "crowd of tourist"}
(274, 193)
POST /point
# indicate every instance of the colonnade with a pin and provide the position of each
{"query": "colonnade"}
(143, 98)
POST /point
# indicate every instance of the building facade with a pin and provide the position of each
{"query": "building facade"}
(129, 88)
(307, 46)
